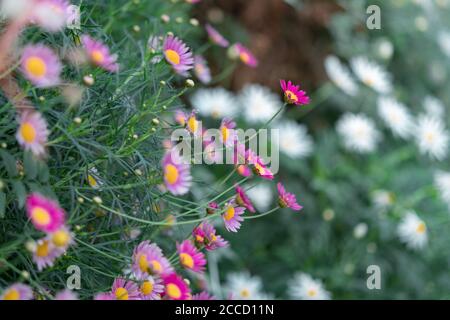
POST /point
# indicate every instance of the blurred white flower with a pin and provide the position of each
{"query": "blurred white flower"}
(396, 116)
(442, 183)
(242, 286)
(413, 231)
(51, 15)
(360, 230)
(385, 48)
(261, 195)
(358, 133)
(294, 139)
(13, 8)
(421, 23)
(382, 199)
(433, 106)
(94, 179)
(216, 103)
(372, 74)
(443, 39)
(340, 75)
(258, 103)
(432, 137)
(304, 287)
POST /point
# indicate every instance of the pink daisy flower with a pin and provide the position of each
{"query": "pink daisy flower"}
(240, 160)
(148, 259)
(212, 207)
(258, 165)
(245, 55)
(178, 55)
(45, 214)
(175, 288)
(216, 37)
(66, 295)
(99, 54)
(243, 200)
(205, 235)
(181, 117)
(202, 70)
(228, 134)
(40, 65)
(293, 94)
(205, 296)
(51, 15)
(193, 125)
(190, 258)
(124, 290)
(45, 254)
(32, 134)
(104, 296)
(17, 291)
(244, 171)
(151, 288)
(61, 239)
(232, 217)
(177, 175)
(286, 199)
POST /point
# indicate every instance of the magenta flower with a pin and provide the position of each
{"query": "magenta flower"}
(17, 291)
(51, 15)
(245, 55)
(32, 134)
(293, 94)
(45, 214)
(66, 295)
(175, 288)
(190, 258)
(148, 259)
(151, 288)
(259, 168)
(286, 199)
(205, 296)
(243, 200)
(212, 207)
(124, 290)
(216, 37)
(228, 132)
(99, 55)
(202, 70)
(178, 55)
(45, 254)
(205, 235)
(40, 65)
(193, 125)
(232, 217)
(177, 174)
(104, 296)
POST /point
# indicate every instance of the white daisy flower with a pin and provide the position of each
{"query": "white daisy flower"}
(372, 74)
(261, 195)
(358, 133)
(294, 139)
(431, 137)
(340, 75)
(304, 287)
(242, 286)
(360, 230)
(259, 103)
(385, 48)
(443, 39)
(396, 116)
(217, 103)
(442, 183)
(383, 199)
(93, 178)
(413, 231)
(433, 106)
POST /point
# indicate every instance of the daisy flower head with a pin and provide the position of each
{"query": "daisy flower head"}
(203, 296)
(17, 291)
(259, 103)
(358, 133)
(340, 76)
(293, 94)
(104, 296)
(242, 286)
(66, 295)
(178, 55)
(372, 74)
(228, 133)
(193, 125)
(180, 117)
(45, 214)
(124, 290)
(383, 199)
(396, 116)
(151, 288)
(148, 259)
(245, 55)
(212, 207)
(45, 254)
(216, 103)
(258, 165)
(216, 37)
(175, 288)
(431, 136)
(202, 70)
(286, 199)
(243, 200)
(40, 65)
(99, 54)
(62, 238)
(93, 178)
(32, 134)
(434, 107)
(205, 235)
(294, 141)
(190, 258)
(232, 217)
(442, 184)
(304, 287)
(177, 175)
(413, 231)
(51, 15)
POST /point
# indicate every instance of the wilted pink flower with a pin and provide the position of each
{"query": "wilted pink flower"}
(286, 199)
(99, 54)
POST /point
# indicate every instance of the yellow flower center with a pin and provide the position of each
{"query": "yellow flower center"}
(147, 287)
(173, 57)
(225, 133)
(173, 291)
(421, 228)
(40, 216)
(97, 56)
(244, 57)
(121, 294)
(61, 238)
(186, 260)
(36, 66)
(260, 170)
(11, 294)
(28, 132)
(92, 182)
(192, 124)
(171, 174)
(312, 292)
(245, 293)
(229, 214)
(199, 238)
(369, 81)
(290, 96)
(143, 263)
(213, 237)
(156, 266)
(43, 249)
